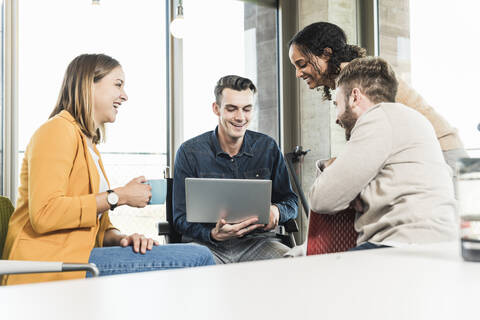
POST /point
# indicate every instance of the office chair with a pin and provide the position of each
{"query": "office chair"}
(331, 233)
(19, 267)
(6, 210)
(326, 233)
(167, 229)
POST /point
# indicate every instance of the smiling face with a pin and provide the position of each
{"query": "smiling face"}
(108, 95)
(313, 70)
(234, 113)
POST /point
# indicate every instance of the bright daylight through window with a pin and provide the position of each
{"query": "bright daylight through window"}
(132, 33)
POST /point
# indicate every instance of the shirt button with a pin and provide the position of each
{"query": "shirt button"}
(232, 160)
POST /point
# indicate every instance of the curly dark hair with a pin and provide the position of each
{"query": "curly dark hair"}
(314, 40)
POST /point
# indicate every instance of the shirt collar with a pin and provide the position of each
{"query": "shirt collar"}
(246, 148)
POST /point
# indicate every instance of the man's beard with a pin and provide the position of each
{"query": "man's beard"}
(348, 121)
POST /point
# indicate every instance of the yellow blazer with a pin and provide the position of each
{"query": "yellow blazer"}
(56, 214)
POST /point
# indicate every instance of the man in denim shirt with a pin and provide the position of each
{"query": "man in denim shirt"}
(232, 151)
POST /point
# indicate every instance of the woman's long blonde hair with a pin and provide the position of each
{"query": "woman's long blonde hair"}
(76, 93)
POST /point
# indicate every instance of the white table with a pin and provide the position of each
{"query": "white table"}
(424, 282)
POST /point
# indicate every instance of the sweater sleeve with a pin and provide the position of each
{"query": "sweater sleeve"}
(364, 155)
(51, 153)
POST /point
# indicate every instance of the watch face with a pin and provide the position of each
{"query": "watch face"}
(112, 198)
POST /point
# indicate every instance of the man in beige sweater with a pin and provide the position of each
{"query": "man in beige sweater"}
(320, 51)
(392, 161)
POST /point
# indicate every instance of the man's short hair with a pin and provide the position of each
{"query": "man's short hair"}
(373, 76)
(232, 82)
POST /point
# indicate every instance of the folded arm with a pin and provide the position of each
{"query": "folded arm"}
(364, 156)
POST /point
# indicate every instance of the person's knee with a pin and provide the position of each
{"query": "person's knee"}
(281, 249)
(205, 256)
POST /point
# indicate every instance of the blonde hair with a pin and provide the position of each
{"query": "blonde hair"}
(373, 76)
(76, 93)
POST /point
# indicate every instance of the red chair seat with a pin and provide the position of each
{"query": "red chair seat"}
(331, 233)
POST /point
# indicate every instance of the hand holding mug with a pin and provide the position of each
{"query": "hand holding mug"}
(135, 193)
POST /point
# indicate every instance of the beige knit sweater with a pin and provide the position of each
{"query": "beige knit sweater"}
(446, 134)
(394, 161)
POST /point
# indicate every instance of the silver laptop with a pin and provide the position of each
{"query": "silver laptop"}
(239, 198)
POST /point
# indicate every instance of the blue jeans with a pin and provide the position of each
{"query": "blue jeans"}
(367, 246)
(118, 260)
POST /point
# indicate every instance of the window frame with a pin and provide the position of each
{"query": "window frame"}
(174, 90)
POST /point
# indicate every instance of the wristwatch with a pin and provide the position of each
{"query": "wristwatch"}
(112, 199)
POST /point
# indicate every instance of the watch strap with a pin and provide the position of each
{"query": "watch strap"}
(112, 206)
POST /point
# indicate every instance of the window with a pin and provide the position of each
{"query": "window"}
(435, 52)
(394, 35)
(443, 62)
(134, 34)
(231, 37)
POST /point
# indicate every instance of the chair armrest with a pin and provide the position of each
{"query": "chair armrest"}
(91, 267)
(285, 232)
(20, 267)
(171, 235)
(291, 226)
(164, 228)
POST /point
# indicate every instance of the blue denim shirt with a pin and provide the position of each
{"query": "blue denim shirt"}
(202, 157)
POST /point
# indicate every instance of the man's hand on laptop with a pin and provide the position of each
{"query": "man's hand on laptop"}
(274, 218)
(224, 231)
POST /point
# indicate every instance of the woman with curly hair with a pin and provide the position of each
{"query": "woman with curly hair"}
(320, 51)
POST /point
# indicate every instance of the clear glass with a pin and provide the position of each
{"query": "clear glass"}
(230, 37)
(468, 187)
(134, 34)
(444, 38)
(394, 35)
(434, 56)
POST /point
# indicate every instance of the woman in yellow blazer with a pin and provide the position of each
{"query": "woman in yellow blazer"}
(64, 194)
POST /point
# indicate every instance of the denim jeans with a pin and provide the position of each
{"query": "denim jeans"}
(119, 260)
(368, 246)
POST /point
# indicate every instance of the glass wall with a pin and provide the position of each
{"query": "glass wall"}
(394, 35)
(231, 37)
(134, 34)
(444, 67)
(433, 45)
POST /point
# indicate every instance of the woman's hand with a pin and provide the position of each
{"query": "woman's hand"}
(139, 242)
(135, 193)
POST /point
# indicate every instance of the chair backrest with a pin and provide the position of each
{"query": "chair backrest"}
(331, 233)
(6, 210)
(174, 236)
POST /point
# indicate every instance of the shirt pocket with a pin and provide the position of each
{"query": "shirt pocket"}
(262, 173)
(207, 174)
